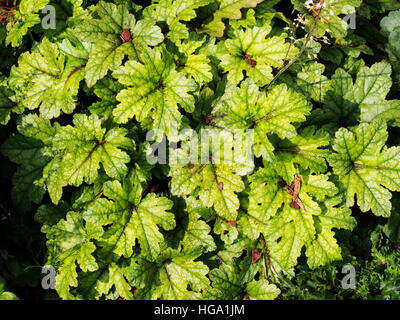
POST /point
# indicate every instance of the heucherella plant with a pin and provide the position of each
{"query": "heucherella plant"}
(198, 149)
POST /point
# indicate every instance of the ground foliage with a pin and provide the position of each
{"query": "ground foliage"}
(322, 99)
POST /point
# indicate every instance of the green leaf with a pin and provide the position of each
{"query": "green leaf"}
(216, 181)
(29, 151)
(107, 91)
(287, 229)
(390, 28)
(246, 107)
(195, 65)
(224, 200)
(228, 9)
(195, 233)
(303, 150)
(370, 90)
(33, 126)
(81, 150)
(155, 89)
(250, 51)
(110, 280)
(175, 276)
(6, 295)
(71, 240)
(114, 276)
(45, 79)
(25, 18)
(365, 100)
(131, 218)
(173, 12)
(262, 290)
(27, 186)
(312, 82)
(226, 230)
(264, 198)
(226, 284)
(7, 105)
(324, 248)
(366, 167)
(390, 22)
(392, 227)
(105, 33)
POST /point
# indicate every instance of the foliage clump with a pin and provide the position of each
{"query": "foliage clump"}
(318, 97)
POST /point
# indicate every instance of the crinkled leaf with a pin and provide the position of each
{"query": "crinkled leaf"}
(303, 150)
(228, 9)
(7, 105)
(131, 218)
(250, 51)
(195, 65)
(26, 16)
(246, 107)
(47, 80)
(71, 241)
(226, 284)
(109, 48)
(366, 167)
(82, 148)
(173, 12)
(175, 276)
(223, 199)
(287, 229)
(262, 290)
(365, 100)
(154, 91)
(29, 151)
